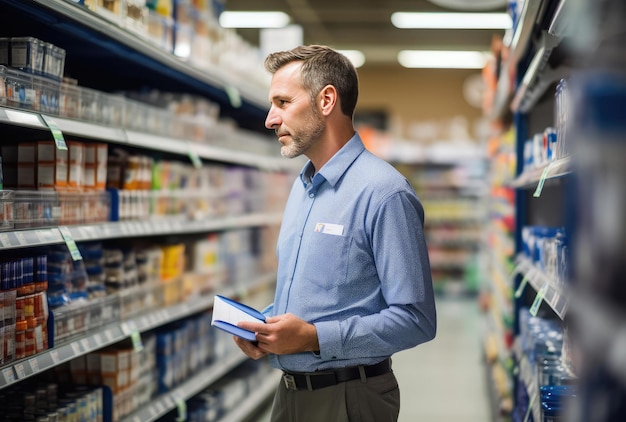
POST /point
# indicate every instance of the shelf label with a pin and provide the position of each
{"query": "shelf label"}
(34, 365)
(538, 299)
(522, 286)
(54, 355)
(21, 239)
(59, 140)
(181, 405)
(8, 374)
(194, 157)
(76, 349)
(233, 96)
(20, 371)
(542, 180)
(5, 240)
(71, 245)
(135, 337)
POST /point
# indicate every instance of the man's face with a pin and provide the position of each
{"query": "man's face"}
(297, 123)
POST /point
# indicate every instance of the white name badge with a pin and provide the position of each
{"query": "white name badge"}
(328, 228)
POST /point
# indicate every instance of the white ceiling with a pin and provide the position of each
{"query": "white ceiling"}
(366, 25)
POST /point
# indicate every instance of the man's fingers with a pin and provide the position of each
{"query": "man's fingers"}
(253, 326)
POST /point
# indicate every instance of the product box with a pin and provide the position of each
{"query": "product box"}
(26, 165)
(76, 164)
(27, 54)
(114, 361)
(52, 166)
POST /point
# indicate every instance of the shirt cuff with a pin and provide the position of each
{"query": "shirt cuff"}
(329, 338)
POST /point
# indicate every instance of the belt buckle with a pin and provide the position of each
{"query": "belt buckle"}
(290, 382)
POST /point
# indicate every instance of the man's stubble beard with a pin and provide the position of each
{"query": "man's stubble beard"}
(302, 139)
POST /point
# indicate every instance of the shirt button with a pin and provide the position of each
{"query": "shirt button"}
(311, 195)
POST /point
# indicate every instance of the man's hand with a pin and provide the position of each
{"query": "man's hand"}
(249, 348)
(281, 335)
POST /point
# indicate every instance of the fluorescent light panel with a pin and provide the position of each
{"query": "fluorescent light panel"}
(411, 20)
(254, 19)
(355, 56)
(442, 59)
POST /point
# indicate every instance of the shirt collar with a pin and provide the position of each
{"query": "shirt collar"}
(334, 169)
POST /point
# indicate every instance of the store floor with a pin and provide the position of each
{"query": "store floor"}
(444, 380)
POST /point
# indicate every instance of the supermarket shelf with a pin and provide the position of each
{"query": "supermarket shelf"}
(113, 333)
(554, 170)
(110, 36)
(553, 294)
(130, 229)
(254, 400)
(518, 46)
(538, 77)
(559, 23)
(163, 404)
(145, 140)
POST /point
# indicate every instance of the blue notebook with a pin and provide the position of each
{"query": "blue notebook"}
(227, 313)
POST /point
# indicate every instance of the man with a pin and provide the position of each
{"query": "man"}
(353, 283)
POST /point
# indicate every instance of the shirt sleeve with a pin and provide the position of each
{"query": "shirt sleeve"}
(401, 259)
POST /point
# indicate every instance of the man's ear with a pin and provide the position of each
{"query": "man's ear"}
(328, 99)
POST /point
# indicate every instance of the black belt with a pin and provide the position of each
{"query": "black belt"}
(316, 380)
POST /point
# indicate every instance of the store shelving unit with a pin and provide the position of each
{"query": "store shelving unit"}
(537, 59)
(94, 43)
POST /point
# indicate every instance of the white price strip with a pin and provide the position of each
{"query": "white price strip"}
(54, 355)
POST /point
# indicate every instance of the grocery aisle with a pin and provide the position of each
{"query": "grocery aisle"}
(444, 380)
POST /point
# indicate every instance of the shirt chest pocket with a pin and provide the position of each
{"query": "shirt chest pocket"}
(325, 260)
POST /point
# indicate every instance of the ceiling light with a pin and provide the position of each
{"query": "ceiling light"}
(355, 56)
(410, 20)
(254, 19)
(442, 59)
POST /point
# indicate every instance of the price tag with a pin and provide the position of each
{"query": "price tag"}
(5, 241)
(522, 286)
(21, 239)
(194, 157)
(71, 245)
(542, 180)
(181, 405)
(98, 339)
(85, 343)
(135, 337)
(538, 299)
(108, 335)
(233, 96)
(34, 365)
(54, 355)
(76, 349)
(20, 371)
(59, 140)
(8, 374)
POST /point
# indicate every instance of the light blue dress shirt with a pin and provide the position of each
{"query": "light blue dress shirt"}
(352, 260)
